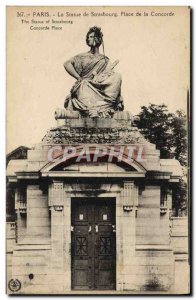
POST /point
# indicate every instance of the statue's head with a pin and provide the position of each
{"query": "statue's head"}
(94, 37)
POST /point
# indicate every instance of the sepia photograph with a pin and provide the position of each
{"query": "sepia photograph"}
(97, 150)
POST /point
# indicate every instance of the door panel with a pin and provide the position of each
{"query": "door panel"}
(93, 244)
(81, 246)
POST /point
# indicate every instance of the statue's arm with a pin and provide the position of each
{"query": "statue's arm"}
(69, 67)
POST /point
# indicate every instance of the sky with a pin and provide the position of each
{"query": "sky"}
(153, 52)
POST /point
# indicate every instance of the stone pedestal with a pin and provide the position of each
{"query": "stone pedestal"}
(146, 251)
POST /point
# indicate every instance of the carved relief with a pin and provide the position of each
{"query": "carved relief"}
(53, 136)
(80, 135)
(56, 195)
(129, 196)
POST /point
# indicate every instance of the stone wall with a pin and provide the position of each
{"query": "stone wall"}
(147, 258)
(180, 245)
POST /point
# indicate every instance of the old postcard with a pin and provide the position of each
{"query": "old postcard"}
(97, 150)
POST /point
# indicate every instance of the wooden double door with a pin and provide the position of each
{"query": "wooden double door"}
(93, 238)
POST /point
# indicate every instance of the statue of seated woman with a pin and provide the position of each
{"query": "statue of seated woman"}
(97, 91)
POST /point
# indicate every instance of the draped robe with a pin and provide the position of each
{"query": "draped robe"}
(98, 95)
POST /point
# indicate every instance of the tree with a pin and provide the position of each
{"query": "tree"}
(169, 133)
(155, 124)
(179, 199)
(179, 136)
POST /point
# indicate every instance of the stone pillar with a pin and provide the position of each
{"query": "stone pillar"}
(119, 245)
(154, 258)
(20, 208)
(59, 204)
(165, 212)
(125, 224)
(148, 217)
(56, 203)
(38, 223)
(67, 242)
